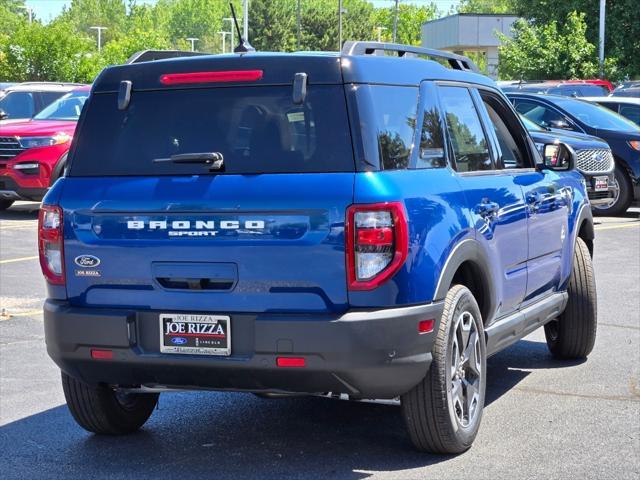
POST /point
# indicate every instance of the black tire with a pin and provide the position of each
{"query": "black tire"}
(4, 204)
(573, 334)
(429, 409)
(99, 409)
(623, 199)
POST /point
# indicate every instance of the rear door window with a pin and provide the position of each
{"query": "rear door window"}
(256, 129)
(385, 117)
(470, 146)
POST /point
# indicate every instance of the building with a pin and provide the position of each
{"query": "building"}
(469, 32)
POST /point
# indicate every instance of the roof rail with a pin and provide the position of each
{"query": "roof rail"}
(152, 55)
(60, 84)
(457, 62)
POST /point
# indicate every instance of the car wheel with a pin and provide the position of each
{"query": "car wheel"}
(443, 411)
(573, 334)
(103, 410)
(4, 204)
(622, 196)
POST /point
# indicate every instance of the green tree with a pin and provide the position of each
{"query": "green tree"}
(54, 52)
(84, 14)
(548, 51)
(622, 30)
(487, 6)
(200, 19)
(273, 25)
(410, 20)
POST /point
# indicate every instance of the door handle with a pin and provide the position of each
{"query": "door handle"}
(487, 208)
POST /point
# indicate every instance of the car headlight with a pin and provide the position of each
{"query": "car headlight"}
(34, 142)
(635, 144)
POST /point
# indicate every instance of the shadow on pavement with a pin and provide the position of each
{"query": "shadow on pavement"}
(225, 435)
(21, 211)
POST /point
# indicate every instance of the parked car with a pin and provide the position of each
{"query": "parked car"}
(4, 86)
(628, 107)
(25, 100)
(353, 224)
(33, 152)
(627, 89)
(594, 159)
(568, 88)
(622, 135)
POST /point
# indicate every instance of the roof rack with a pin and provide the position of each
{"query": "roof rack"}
(60, 84)
(152, 55)
(457, 62)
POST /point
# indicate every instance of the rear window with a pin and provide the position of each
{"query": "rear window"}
(256, 129)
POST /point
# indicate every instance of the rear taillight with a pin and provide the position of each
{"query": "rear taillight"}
(376, 242)
(50, 244)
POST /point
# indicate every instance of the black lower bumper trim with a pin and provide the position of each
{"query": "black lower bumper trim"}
(365, 354)
(10, 190)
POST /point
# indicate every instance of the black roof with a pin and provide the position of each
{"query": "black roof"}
(359, 63)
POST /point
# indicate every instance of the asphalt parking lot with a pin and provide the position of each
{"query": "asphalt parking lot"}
(543, 419)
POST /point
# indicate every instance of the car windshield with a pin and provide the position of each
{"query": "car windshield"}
(65, 108)
(596, 116)
(531, 125)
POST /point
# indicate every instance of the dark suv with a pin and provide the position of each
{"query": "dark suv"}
(360, 225)
(622, 135)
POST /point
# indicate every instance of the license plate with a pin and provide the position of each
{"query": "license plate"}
(195, 334)
(600, 184)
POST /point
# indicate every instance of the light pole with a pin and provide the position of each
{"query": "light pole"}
(193, 41)
(232, 28)
(380, 29)
(340, 12)
(601, 39)
(395, 22)
(224, 41)
(298, 18)
(29, 11)
(99, 29)
(245, 20)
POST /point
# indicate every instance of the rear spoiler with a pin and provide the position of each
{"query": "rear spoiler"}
(153, 55)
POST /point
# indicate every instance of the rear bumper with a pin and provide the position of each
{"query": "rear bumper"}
(365, 354)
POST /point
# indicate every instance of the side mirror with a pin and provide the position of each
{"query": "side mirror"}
(3, 114)
(559, 157)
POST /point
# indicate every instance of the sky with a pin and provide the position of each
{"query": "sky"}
(49, 9)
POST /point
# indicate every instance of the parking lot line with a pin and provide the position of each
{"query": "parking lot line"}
(613, 227)
(21, 259)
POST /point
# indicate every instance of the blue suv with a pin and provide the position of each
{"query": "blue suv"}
(368, 224)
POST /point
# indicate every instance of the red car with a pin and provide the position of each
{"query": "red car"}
(33, 152)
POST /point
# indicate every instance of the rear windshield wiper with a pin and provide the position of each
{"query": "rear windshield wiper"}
(215, 160)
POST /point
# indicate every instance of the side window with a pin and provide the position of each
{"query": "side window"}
(632, 112)
(18, 105)
(470, 147)
(394, 120)
(512, 152)
(431, 153)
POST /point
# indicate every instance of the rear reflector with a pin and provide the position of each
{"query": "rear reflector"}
(290, 362)
(102, 354)
(426, 326)
(211, 77)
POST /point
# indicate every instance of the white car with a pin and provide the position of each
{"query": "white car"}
(628, 107)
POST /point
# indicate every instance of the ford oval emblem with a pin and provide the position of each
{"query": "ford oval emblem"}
(178, 340)
(87, 261)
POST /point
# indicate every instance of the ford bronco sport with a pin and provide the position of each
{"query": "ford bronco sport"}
(369, 223)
